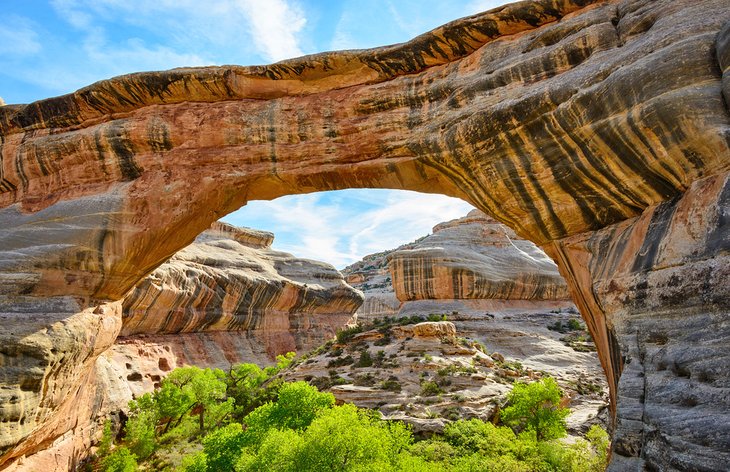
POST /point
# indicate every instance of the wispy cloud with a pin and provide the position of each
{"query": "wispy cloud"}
(98, 39)
(18, 37)
(342, 227)
(190, 26)
(276, 25)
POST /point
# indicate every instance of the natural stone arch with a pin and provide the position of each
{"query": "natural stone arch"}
(598, 129)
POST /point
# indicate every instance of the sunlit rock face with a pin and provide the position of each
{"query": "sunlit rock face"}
(592, 128)
(475, 257)
(230, 279)
(225, 299)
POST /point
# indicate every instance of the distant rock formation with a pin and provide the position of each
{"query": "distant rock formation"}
(468, 264)
(475, 257)
(231, 280)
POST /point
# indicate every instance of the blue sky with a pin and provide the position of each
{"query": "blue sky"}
(49, 48)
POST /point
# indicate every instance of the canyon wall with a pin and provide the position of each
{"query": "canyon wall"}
(226, 298)
(230, 280)
(473, 265)
(596, 129)
(475, 257)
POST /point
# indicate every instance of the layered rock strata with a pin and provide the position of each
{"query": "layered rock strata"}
(225, 299)
(475, 257)
(371, 276)
(468, 265)
(231, 280)
(591, 127)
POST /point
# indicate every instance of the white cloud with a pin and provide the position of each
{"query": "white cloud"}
(272, 27)
(342, 38)
(275, 24)
(342, 227)
(99, 39)
(18, 37)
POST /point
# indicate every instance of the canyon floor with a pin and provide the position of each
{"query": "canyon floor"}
(428, 373)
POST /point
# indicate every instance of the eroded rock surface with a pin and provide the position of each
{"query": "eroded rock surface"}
(470, 258)
(475, 257)
(230, 279)
(594, 128)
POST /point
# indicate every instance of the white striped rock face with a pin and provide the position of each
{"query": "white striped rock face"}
(596, 129)
(474, 257)
(230, 279)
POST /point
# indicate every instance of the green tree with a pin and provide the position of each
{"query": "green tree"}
(298, 404)
(222, 447)
(107, 439)
(536, 407)
(475, 435)
(278, 451)
(192, 389)
(140, 427)
(346, 438)
(433, 450)
(250, 386)
(120, 460)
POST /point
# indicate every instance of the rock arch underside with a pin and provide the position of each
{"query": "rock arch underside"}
(600, 130)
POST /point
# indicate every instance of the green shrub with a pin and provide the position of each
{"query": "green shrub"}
(430, 389)
(120, 460)
(346, 335)
(451, 413)
(391, 385)
(365, 380)
(365, 359)
(574, 324)
(339, 362)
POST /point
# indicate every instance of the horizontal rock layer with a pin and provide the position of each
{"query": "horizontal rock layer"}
(229, 279)
(571, 121)
(475, 257)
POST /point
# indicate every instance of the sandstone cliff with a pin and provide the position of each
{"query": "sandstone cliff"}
(231, 280)
(595, 128)
(472, 264)
(475, 258)
(225, 299)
